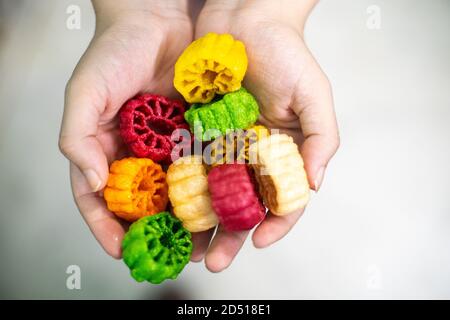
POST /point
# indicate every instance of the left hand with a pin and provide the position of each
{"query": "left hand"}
(294, 96)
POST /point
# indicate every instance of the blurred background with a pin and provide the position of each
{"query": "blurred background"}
(378, 228)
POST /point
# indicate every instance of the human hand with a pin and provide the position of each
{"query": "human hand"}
(294, 96)
(134, 48)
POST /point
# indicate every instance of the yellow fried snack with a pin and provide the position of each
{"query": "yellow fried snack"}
(136, 188)
(234, 146)
(189, 195)
(278, 167)
(214, 63)
(260, 131)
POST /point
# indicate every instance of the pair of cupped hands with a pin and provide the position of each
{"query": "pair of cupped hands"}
(134, 49)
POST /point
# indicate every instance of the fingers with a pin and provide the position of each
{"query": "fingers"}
(201, 242)
(78, 137)
(273, 228)
(224, 247)
(313, 104)
(104, 225)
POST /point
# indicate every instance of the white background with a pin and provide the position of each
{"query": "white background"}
(379, 227)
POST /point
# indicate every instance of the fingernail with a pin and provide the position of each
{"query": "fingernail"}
(319, 178)
(93, 179)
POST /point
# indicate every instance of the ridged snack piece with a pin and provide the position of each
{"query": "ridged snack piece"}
(214, 63)
(189, 195)
(234, 197)
(136, 188)
(234, 146)
(156, 248)
(236, 110)
(279, 170)
(147, 123)
(260, 131)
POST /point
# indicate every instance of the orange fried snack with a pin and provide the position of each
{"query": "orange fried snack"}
(136, 188)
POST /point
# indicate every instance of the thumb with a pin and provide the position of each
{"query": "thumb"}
(318, 124)
(78, 137)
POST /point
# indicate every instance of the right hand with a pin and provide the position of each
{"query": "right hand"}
(133, 50)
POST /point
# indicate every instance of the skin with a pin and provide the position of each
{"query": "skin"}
(134, 50)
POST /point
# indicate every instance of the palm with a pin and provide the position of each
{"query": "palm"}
(277, 58)
(142, 62)
(273, 75)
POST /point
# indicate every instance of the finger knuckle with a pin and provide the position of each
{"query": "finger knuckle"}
(326, 83)
(336, 142)
(70, 86)
(65, 146)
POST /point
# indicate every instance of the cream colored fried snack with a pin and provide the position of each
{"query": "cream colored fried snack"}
(189, 195)
(279, 171)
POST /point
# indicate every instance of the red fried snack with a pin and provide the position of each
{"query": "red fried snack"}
(234, 197)
(147, 123)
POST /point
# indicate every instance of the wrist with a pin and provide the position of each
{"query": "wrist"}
(291, 12)
(137, 12)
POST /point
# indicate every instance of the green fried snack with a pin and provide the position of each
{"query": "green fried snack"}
(235, 110)
(156, 248)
